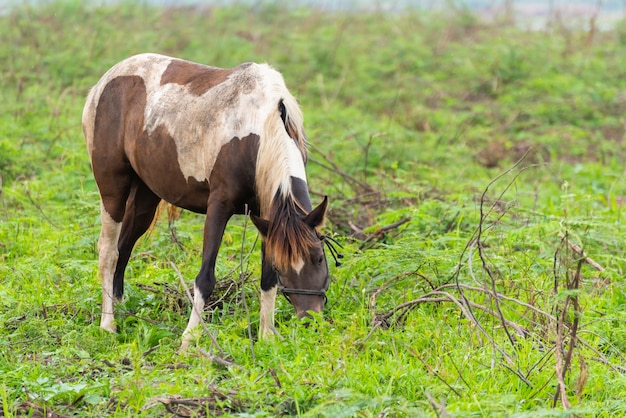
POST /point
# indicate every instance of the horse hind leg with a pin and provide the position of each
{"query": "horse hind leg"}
(140, 209)
(135, 204)
(107, 259)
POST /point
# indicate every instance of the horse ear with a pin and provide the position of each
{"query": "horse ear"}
(262, 225)
(316, 217)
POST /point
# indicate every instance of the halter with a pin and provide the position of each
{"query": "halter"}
(286, 291)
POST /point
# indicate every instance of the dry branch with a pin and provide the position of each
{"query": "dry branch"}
(563, 358)
(218, 360)
(489, 270)
(499, 317)
(32, 409)
(433, 371)
(387, 284)
(535, 330)
(328, 164)
(380, 232)
(579, 251)
(191, 407)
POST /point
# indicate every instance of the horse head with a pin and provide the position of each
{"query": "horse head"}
(295, 249)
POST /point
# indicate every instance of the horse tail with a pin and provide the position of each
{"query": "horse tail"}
(173, 214)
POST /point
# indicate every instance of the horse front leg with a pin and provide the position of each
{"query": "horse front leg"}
(269, 282)
(218, 214)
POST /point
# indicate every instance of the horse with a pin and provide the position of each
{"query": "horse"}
(213, 141)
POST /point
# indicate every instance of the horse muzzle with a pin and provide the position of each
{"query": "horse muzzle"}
(304, 300)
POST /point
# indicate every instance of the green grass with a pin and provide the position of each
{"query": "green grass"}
(415, 120)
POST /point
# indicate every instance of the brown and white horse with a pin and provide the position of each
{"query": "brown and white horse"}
(212, 141)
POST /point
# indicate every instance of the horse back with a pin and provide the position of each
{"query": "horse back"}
(169, 120)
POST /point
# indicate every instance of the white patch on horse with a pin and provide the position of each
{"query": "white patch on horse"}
(266, 320)
(297, 266)
(194, 318)
(108, 255)
(197, 123)
(236, 107)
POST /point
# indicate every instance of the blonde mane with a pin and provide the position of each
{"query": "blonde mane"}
(282, 156)
(282, 149)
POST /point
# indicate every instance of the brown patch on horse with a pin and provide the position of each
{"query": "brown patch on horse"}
(198, 78)
(300, 192)
(234, 172)
(162, 173)
(120, 111)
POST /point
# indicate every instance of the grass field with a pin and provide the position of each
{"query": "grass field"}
(476, 179)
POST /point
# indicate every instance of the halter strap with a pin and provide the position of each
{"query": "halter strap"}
(286, 291)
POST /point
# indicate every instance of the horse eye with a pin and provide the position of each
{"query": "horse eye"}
(320, 261)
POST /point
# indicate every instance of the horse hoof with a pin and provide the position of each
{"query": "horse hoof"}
(110, 326)
(183, 348)
(269, 334)
(112, 330)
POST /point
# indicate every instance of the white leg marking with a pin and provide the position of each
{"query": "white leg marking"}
(107, 259)
(194, 318)
(268, 303)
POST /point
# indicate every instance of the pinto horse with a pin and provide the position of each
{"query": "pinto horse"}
(213, 141)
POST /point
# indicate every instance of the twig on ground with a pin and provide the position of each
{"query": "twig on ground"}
(476, 238)
(479, 235)
(330, 165)
(218, 360)
(439, 295)
(40, 209)
(380, 232)
(33, 409)
(150, 350)
(386, 285)
(439, 408)
(219, 401)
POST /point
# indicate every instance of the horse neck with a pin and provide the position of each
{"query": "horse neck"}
(280, 169)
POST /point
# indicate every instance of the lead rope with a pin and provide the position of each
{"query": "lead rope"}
(330, 243)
